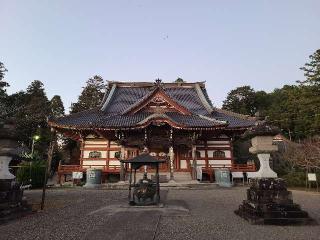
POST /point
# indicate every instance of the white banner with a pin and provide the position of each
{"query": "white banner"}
(77, 175)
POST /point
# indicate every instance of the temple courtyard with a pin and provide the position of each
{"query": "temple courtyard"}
(197, 213)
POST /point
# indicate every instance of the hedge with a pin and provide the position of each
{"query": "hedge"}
(297, 179)
(37, 173)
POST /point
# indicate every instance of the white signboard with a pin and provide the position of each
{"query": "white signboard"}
(77, 175)
(312, 177)
(92, 175)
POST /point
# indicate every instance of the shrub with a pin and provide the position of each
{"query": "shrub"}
(295, 179)
(36, 173)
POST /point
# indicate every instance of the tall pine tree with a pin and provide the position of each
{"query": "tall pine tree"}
(57, 108)
(241, 100)
(3, 84)
(31, 118)
(91, 95)
(312, 69)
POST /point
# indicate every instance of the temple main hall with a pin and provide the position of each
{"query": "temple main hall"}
(175, 122)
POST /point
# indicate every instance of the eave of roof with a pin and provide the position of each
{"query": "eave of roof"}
(102, 122)
(123, 97)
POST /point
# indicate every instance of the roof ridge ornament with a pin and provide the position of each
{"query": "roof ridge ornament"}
(158, 83)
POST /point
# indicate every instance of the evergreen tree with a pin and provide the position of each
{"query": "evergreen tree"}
(312, 69)
(179, 80)
(37, 103)
(241, 100)
(57, 108)
(15, 104)
(3, 94)
(296, 110)
(31, 118)
(262, 102)
(91, 95)
(285, 108)
(3, 84)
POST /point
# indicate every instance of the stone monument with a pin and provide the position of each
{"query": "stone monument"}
(262, 136)
(268, 200)
(12, 203)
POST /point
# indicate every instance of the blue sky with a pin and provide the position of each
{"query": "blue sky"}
(225, 43)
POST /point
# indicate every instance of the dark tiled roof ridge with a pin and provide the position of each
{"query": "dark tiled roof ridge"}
(152, 84)
(92, 110)
(234, 114)
(205, 93)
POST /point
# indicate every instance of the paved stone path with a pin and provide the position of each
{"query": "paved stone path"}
(188, 214)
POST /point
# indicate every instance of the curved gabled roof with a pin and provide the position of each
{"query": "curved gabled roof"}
(123, 107)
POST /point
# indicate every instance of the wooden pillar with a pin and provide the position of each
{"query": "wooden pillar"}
(171, 159)
(82, 146)
(194, 162)
(206, 155)
(171, 155)
(157, 185)
(130, 186)
(108, 154)
(123, 157)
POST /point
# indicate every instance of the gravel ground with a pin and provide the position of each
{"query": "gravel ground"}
(188, 214)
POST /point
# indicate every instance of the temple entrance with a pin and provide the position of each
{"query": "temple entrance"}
(162, 155)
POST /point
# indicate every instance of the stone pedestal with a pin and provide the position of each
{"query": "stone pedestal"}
(4, 168)
(12, 204)
(262, 146)
(265, 171)
(269, 202)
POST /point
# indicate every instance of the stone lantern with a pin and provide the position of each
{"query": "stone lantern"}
(268, 200)
(8, 147)
(262, 136)
(11, 194)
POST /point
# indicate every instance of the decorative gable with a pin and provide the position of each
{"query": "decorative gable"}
(159, 105)
(157, 102)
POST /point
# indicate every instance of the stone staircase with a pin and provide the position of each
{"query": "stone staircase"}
(182, 176)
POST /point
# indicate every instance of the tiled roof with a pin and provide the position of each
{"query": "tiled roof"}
(234, 121)
(113, 114)
(126, 97)
(97, 119)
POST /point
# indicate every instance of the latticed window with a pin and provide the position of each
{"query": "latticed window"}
(95, 154)
(219, 154)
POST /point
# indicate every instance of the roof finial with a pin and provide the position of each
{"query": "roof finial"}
(158, 82)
